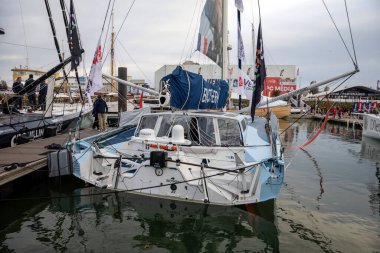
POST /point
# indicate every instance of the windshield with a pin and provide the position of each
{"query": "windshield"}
(229, 131)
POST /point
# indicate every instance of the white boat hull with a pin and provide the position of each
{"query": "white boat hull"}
(371, 126)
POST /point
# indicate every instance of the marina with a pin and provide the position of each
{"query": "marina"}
(200, 126)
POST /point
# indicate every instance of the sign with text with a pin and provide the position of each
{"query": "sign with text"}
(273, 84)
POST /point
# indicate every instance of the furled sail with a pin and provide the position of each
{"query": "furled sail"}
(210, 31)
(190, 91)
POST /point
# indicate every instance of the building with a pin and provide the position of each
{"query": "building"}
(355, 94)
(25, 72)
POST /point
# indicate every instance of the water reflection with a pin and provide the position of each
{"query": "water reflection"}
(96, 222)
(370, 149)
(319, 173)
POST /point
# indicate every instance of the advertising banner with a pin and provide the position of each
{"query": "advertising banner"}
(273, 84)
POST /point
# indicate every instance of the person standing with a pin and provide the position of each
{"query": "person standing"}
(42, 95)
(31, 91)
(16, 88)
(100, 109)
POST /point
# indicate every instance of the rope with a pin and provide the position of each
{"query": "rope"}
(23, 29)
(340, 35)
(117, 34)
(320, 129)
(188, 32)
(305, 113)
(352, 40)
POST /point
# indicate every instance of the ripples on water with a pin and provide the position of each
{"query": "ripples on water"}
(329, 203)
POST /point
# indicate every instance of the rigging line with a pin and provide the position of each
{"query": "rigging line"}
(352, 39)
(108, 27)
(340, 35)
(23, 29)
(125, 18)
(23, 45)
(188, 31)
(191, 50)
(133, 60)
(105, 18)
(318, 103)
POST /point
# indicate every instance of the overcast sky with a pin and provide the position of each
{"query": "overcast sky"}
(159, 32)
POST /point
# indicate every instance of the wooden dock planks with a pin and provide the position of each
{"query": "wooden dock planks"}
(31, 156)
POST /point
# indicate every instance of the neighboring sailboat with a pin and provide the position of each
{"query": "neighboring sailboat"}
(371, 125)
(195, 152)
(20, 126)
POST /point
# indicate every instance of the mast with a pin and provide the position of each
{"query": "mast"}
(60, 54)
(112, 53)
(63, 8)
(225, 39)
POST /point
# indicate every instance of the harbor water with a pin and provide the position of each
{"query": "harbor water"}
(330, 202)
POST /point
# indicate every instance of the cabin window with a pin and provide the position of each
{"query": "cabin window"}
(229, 132)
(190, 128)
(148, 122)
(166, 126)
(206, 131)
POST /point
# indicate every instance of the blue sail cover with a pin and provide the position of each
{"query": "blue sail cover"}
(190, 91)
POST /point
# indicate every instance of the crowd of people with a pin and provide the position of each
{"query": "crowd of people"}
(20, 89)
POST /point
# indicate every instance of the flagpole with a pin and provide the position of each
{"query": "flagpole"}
(239, 59)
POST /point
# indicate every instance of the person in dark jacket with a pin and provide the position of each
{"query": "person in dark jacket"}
(42, 95)
(16, 88)
(100, 109)
(31, 92)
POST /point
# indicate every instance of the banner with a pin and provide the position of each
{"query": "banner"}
(273, 84)
(210, 31)
(247, 85)
(95, 81)
(74, 41)
(190, 91)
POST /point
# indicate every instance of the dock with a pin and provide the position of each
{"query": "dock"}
(352, 121)
(24, 159)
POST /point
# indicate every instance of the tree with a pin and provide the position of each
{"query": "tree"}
(276, 93)
(314, 90)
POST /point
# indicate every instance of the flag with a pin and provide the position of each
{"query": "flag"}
(245, 85)
(95, 78)
(74, 41)
(241, 54)
(239, 5)
(260, 73)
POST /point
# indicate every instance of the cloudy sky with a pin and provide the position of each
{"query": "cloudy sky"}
(158, 32)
